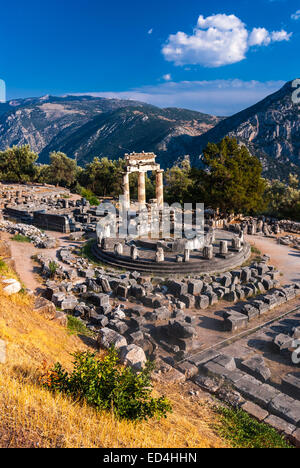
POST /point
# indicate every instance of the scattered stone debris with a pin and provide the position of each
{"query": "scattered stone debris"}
(37, 237)
(11, 286)
(263, 226)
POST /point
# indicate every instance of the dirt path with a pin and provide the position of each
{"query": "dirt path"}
(284, 258)
(25, 266)
(21, 254)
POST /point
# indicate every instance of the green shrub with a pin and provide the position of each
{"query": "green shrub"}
(20, 238)
(75, 326)
(245, 432)
(52, 268)
(255, 250)
(89, 196)
(106, 385)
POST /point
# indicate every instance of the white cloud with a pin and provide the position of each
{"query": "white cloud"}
(167, 77)
(296, 16)
(259, 36)
(216, 41)
(218, 97)
(279, 36)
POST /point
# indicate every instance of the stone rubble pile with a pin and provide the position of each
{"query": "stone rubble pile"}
(159, 314)
(263, 227)
(37, 237)
(237, 319)
(54, 213)
(291, 241)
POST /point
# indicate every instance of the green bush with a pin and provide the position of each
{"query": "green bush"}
(245, 432)
(75, 326)
(52, 268)
(89, 196)
(20, 238)
(106, 385)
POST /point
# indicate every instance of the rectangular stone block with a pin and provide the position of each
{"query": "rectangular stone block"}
(235, 321)
(280, 425)
(271, 300)
(291, 385)
(254, 410)
(248, 386)
(287, 408)
(188, 369)
(295, 438)
(212, 368)
(202, 302)
(177, 288)
(188, 300)
(195, 287)
(212, 297)
(250, 311)
(256, 367)
(226, 361)
(261, 306)
(201, 358)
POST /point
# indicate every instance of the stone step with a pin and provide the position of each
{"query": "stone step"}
(166, 268)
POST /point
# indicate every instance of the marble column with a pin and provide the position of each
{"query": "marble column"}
(159, 188)
(208, 252)
(126, 189)
(142, 189)
(223, 247)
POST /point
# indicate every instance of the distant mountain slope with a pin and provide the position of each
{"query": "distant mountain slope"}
(145, 127)
(85, 126)
(270, 129)
(38, 120)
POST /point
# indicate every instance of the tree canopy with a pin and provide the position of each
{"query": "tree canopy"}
(61, 171)
(17, 164)
(179, 183)
(102, 177)
(232, 178)
(284, 199)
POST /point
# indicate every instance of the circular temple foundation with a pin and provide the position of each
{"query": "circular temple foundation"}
(221, 255)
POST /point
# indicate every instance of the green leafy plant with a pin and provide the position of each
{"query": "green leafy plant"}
(255, 250)
(89, 196)
(21, 238)
(106, 385)
(75, 326)
(52, 268)
(243, 431)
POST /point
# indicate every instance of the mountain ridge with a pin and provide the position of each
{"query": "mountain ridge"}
(54, 123)
(86, 126)
(270, 128)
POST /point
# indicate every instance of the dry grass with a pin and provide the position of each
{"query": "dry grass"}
(31, 416)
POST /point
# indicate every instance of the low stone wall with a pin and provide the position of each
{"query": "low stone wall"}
(52, 222)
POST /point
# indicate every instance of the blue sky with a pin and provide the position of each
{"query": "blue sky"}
(216, 57)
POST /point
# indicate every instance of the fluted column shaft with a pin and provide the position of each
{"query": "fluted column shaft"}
(126, 189)
(159, 188)
(142, 189)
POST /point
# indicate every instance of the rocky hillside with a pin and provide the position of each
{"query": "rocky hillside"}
(270, 129)
(39, 121)
(85, 127)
